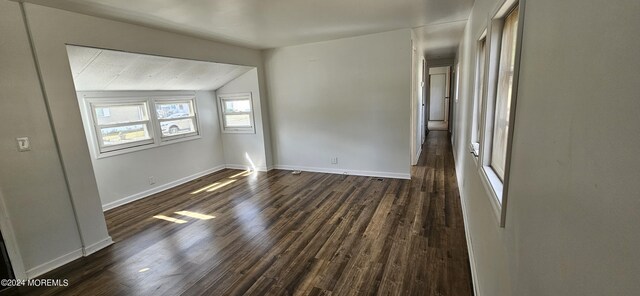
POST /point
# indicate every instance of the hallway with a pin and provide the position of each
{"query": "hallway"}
(279, 234)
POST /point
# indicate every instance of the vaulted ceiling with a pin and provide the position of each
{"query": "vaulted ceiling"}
(275, 23)
(109, 70)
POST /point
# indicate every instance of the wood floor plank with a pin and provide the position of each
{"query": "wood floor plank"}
(276, 233)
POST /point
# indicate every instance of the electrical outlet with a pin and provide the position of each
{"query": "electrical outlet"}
(152, 180)
(334, 160)
(23, 144)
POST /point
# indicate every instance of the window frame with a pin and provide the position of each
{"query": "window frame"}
(101, 147)
(480, 91)
(176, 99)
(150, 98)
(496, 187)
(222, 98)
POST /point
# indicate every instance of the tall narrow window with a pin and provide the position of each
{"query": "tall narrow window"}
(480, 72)
(121, 125)
(504, 93)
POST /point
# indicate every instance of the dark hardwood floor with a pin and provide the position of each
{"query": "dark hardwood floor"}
(280, 234)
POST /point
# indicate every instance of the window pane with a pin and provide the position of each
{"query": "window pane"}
(238, 120)
(480, 87)
(124, 134)
(504, 93)
(121, 113)
(177, 127)
(174, 109)
(237, 106)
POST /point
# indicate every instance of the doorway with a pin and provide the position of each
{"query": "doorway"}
(439, 90)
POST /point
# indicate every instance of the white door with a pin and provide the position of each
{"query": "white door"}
(437, 93)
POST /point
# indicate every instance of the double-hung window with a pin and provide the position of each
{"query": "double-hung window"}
(176, 118)
(479, 94)
(504, 93)
(121, 125)
(141, 121)
(236, 113)
(496, 90)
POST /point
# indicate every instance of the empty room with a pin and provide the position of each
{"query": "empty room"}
(247, 147)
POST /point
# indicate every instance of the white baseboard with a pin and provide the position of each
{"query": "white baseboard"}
(417, 156)
(246, 167)
(342, 171)
(53, 264)
(467, 233)
(160, 188)
(88, 250)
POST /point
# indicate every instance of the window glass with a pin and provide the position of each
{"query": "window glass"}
(238, 120)
(124, 134)
(504, 93)
(480, 87)
(115, 114)
(174, 110)
(235, 106)
(177, 127)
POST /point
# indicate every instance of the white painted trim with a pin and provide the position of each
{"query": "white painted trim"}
(88, 250)
(348, 172)
(493, 187)
(10, 241)
(246, 167)
(417, 156)
(160, 188)
(53, 264)
(467, 233)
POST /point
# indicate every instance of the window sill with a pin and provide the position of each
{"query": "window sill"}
(493, 185)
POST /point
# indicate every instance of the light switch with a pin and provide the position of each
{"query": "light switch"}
(23, 144)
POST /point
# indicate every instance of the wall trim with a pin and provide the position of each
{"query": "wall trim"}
(88, 250)
(53, 264)
(159, 189)
(342, 171)
(246, 167)
(11, 243)
(472, 258)
(418, 155)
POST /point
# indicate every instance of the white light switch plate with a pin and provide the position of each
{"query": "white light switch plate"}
(23, 144)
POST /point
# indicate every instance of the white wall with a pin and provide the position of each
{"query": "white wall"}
(38, 202)
(573, 206)
(32, 183)
(347, 98)
(418, 97)
(125, 177)
(237, 146)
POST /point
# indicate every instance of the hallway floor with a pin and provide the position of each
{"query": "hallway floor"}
(235, 233)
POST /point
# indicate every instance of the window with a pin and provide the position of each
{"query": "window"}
(479, 93)
(177, 118)
(129, 124)
(236, 113)
(497, 105)
(122, 125)
(504, 93)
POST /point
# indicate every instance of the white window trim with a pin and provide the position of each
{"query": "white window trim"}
(176, 99)
(476, 134)
(496, 188)
(100, 147)
(122, 97)
(236, 130)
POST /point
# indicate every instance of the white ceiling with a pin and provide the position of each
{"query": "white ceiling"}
(108, 70)
(275, 23)
(441, 40)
